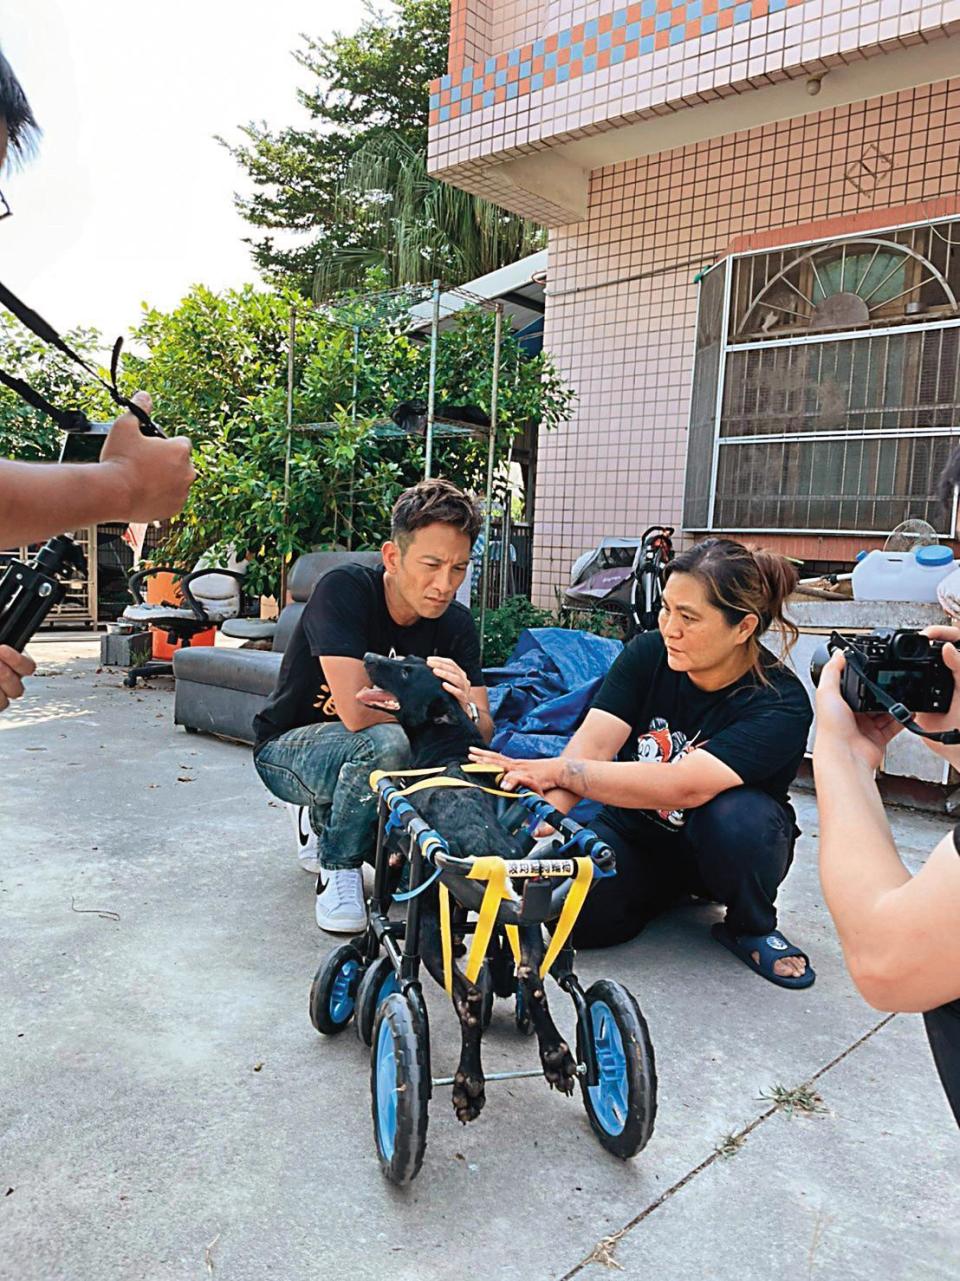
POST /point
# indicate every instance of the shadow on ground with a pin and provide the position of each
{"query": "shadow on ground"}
(169, 1113)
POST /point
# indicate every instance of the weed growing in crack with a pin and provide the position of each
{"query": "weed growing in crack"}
(801, 1099)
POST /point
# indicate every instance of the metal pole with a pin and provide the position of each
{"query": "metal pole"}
(491, 458)
(353, 415)
(505, 544)
(356, 362)
(432, 388)
(505, 531)
(292, 336)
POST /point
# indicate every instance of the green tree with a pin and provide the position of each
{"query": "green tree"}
(25, 432)
(343, 184)
(414, 229)
(217, 368)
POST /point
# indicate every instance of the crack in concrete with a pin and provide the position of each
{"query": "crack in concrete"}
(601, 1253)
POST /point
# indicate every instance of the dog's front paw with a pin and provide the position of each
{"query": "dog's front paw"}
(559, 1067)
(469, 1096)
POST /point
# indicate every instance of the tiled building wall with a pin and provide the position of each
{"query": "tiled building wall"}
(594, 66)
(621, 301)
(469, 31)
(515, 22)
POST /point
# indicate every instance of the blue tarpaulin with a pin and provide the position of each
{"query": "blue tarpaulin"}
(545, 689)
(541, 695)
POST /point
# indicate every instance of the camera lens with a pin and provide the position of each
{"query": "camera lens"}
(821, 656)
(908, 645)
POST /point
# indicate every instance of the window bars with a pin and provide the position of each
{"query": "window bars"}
(826, 390)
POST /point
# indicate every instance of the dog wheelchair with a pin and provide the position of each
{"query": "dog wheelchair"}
(374, 979)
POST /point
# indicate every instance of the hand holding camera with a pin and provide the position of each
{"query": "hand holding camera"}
(870, 687)
(152, 476)
(935, 722)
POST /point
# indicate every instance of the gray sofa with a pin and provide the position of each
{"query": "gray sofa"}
(220, 690)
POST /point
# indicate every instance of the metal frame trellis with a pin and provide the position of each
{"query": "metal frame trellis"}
(370, 312)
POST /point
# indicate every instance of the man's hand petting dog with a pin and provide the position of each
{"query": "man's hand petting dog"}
(455, 679)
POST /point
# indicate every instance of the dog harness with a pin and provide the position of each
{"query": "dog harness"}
(494, 870)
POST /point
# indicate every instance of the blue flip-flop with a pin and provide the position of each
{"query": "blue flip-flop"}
(771, 947)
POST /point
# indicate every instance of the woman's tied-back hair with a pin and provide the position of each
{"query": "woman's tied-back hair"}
(740, 582)
(433, 502)
(22, 129)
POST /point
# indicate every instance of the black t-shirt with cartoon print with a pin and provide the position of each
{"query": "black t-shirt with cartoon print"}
(347, 617)
(759, 730)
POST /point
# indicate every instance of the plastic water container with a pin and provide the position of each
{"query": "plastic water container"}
(902, 575)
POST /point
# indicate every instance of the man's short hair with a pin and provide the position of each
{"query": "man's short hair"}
(433, 502)
(22, 128)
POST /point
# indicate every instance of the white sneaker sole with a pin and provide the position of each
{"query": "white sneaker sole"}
(341, 925)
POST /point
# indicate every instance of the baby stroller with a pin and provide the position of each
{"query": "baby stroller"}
(624, 576)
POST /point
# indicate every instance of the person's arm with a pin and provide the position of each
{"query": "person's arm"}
(478, 695)
(457, 682)
(899, 933)
(138, 478)
(346, 677)
(641, 785)
(599, 738)
(682, 784)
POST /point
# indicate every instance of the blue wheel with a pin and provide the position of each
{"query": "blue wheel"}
(378, 982)
(334, 989)
(622, 1105)
(399, 1085)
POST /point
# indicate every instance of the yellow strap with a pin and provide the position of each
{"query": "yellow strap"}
(438, 778)
(442, 780)
(493, 870)
(513, 938)
(446, 939)
(570, 912)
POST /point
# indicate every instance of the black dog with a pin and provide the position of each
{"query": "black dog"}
(441, 734)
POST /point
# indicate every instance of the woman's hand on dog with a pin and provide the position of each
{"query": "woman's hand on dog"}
(455, 679)
(539, 775)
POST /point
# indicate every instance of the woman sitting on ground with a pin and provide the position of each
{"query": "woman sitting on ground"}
(731, 721)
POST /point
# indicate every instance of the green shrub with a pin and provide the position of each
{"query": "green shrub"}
(503, 626)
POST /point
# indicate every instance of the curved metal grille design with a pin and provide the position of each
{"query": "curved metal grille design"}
(837, 396)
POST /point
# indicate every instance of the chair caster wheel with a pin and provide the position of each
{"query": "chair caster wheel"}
(130, 682)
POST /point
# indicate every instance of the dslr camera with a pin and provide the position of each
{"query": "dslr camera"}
(905, 665)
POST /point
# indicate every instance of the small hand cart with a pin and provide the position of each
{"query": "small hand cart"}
(374, 979)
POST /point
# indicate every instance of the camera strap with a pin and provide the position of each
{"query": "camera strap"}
(72, 420)
(897, 710)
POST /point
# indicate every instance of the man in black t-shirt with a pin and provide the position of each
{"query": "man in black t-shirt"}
(690, 746)
(315, 743)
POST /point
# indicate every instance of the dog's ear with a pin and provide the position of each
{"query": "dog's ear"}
(442, 710)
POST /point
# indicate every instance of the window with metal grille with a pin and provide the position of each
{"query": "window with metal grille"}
(826, 389)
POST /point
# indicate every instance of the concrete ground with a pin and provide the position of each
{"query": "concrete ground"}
(167, 1112)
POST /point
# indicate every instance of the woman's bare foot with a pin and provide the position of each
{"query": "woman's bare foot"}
(789, 967)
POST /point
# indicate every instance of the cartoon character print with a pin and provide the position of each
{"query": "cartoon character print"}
(661, 744)
(324, 703)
